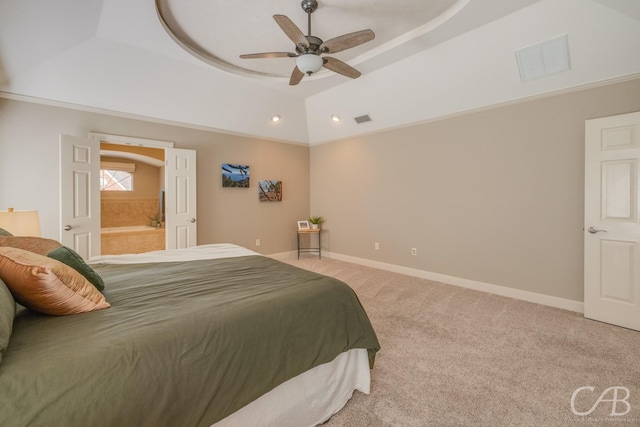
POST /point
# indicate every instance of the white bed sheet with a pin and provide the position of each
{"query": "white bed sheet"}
(309, 399)
(213, 251)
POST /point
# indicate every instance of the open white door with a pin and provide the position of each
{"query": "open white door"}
(612, 227)
(80, 195)
(180, 221)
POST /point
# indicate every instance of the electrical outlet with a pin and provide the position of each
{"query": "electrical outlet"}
(376, 246)
(257, 242)
(414, 251)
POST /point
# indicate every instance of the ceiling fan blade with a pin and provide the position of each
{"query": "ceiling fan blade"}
(296, 76)
(269, 55)
(340, 67)
(290, 29)
(340, 43)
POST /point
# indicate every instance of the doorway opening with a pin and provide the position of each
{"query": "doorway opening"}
(132, 194)
(131, 199)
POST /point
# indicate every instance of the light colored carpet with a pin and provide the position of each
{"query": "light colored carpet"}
(457, 357)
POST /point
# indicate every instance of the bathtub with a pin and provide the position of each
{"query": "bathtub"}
(127, 229)
(131, 239)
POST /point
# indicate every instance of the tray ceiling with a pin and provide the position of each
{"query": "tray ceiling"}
(429, 59)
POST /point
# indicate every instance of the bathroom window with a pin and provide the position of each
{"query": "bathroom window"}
(114, 180)
(116, 176)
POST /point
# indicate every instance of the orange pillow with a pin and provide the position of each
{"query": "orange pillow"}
(46, 285)
(37, 245)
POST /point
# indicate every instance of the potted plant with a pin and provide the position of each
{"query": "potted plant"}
(155, 220)
(315, 221)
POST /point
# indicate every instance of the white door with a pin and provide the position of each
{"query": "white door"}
(80, 195)
(180, 208)
(612, 227)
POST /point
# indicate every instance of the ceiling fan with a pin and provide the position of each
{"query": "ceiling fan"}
(309, 48)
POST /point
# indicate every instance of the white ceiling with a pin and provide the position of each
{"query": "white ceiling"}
(430, 59)
(253, 29)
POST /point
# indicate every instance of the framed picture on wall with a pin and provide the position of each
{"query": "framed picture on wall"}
(270, 191)
(303, 225)
(234, 175)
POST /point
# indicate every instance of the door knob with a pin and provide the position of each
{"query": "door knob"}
(192, 220)
(67, 227)
(594, 230)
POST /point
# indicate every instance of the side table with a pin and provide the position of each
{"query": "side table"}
(316, 231)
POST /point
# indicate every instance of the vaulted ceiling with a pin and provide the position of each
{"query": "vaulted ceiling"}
(178, 61)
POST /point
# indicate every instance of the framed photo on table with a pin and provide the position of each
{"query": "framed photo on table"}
(303, 225)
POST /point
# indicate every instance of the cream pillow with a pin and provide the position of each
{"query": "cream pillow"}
(46, 285)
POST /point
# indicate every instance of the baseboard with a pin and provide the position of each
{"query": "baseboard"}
(284, 255)
(548, 300)
(504, 291)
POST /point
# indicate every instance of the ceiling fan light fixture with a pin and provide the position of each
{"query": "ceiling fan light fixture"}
(336, 118)
(309, 47)
(275, 118)
(309, 63)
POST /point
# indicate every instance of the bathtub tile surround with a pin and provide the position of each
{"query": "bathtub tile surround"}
(126, 226)
(124, 212)
(131, 240)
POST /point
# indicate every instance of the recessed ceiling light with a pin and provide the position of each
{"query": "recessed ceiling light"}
(275, 118)
(335, 118)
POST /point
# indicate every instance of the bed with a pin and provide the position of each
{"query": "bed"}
(212, 335)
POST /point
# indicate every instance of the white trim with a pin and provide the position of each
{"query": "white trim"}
(281, 256)
(548, 300)
(113, 113)
(129, 140)
(149, 119)
(504, 291)
(488, 107)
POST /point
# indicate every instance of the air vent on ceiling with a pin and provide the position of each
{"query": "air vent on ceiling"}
(362, 119)
(544, 58)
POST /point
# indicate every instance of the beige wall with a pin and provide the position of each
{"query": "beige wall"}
(29, 172)
(493, 196)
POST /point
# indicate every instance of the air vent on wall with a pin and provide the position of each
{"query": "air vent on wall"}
(362, 119)
(544, 58)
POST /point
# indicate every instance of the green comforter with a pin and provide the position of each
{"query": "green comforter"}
(183, 344)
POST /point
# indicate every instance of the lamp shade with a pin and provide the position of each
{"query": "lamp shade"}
(309, 63)
(20, 223)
